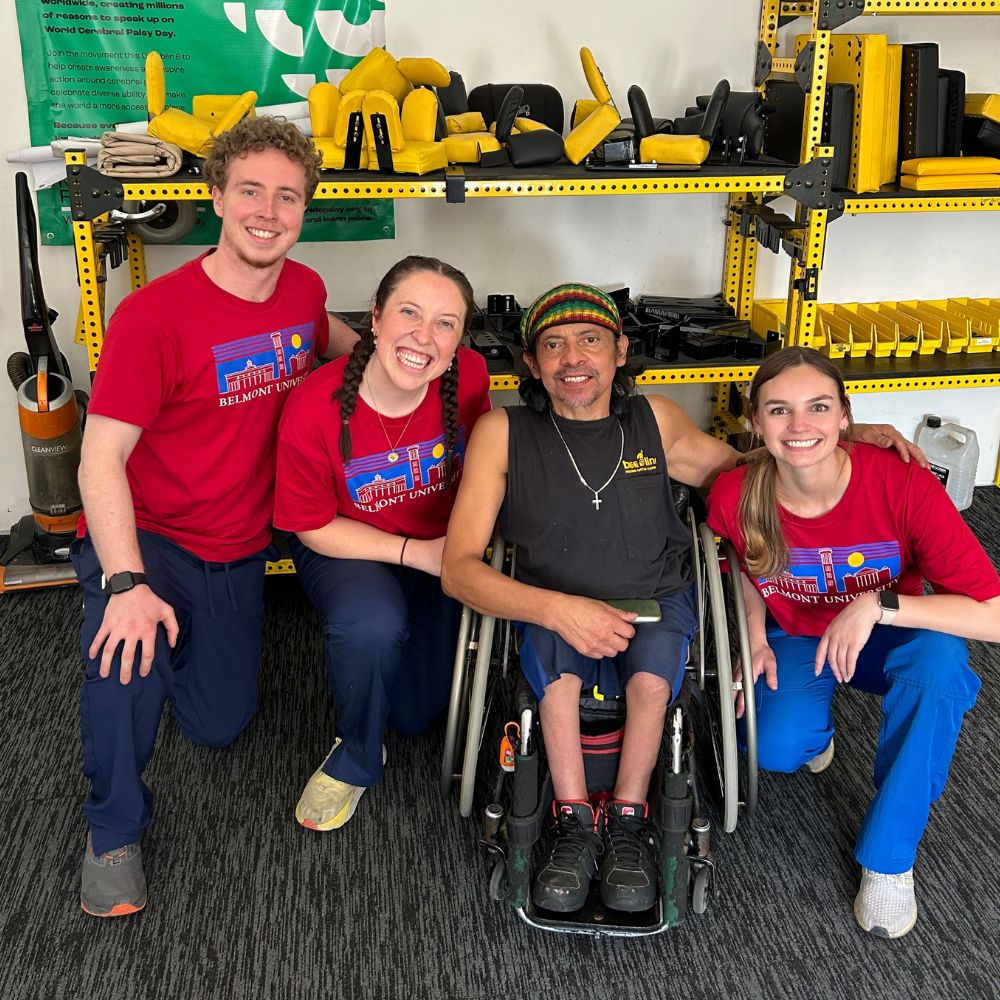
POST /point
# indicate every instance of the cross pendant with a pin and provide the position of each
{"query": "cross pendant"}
(596, 502)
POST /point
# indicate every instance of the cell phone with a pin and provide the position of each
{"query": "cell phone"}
(647, 611)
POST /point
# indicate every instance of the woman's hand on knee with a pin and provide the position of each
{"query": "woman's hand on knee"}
(846, 636)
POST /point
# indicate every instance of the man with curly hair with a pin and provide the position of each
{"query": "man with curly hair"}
(177, 478)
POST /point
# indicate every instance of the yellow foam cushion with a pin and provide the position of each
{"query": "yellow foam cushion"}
(324, 102)
(416, 158)
(953, 182)
(597, 126)
(680, 149)
(529, 125)
(595, 78)
(930, 166)
(349, 103)
(981, 105)
(582, 110)
(379, 102)
(420, 116)
(333, 155)
(156, 88)
(182, 130)
(466, 147)
(239, 109)
(463, 124)
(377, 71)
(424, 72)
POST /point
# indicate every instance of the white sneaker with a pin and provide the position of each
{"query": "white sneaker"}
(822, 760)
(886, 905)
(327, 803)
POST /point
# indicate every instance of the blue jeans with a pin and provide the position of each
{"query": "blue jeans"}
(210, 676)
(926, 687)
(389, 635)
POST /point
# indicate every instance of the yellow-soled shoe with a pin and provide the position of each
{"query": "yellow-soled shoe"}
(327, 803)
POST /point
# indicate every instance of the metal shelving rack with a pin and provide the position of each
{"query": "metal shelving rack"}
(818, 206)
(93, 196)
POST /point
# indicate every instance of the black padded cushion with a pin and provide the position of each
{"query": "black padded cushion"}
(539, 102)
(715, 111)
(507, 112)
(642, 118)
(536, 148)
(453, 98)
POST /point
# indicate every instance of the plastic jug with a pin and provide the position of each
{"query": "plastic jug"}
(953, 453)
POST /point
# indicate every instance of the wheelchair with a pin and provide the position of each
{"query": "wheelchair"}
(494, 758)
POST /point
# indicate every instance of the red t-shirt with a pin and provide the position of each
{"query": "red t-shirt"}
(395, 485)
(205, 374)
(893, 528)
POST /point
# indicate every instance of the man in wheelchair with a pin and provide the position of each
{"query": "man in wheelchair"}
(578, 480)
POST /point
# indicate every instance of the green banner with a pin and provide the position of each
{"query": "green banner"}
(84, 73)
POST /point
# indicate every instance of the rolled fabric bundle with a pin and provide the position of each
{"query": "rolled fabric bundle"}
(124, 154)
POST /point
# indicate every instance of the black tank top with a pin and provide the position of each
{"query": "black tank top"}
(634, 546)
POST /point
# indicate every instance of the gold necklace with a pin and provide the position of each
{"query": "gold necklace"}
(393, 454)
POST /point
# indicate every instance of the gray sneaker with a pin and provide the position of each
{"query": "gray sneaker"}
(114, 884)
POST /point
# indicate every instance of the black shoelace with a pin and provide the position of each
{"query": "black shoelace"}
(572, 841)
(628, 836)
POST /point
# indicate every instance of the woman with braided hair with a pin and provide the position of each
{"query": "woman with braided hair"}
(369, 457)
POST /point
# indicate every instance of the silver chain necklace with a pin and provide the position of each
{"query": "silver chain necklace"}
(597, 493)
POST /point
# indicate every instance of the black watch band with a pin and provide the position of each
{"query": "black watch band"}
(119, 583)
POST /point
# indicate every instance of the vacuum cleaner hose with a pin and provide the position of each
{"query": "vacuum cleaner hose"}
(19, 368)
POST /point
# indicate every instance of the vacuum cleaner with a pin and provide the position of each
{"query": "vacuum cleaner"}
(51, 415)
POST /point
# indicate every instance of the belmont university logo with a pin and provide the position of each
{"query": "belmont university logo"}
(263, 365)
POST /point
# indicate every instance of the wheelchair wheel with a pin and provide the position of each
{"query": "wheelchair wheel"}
(723, 625)
(468, 626)
(482, 649)
(700, 888)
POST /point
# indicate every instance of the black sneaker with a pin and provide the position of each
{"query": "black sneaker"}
(570, 861)
(628, 875)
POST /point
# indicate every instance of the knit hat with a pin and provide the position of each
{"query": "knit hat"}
(569, 303)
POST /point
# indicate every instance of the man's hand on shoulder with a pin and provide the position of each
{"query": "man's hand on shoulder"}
(886, 436)
(593, 628)
(130, 621)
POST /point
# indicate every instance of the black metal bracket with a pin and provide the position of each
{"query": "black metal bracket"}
(774, 231)
(808, 284)
(809, 185)
(834, 13)
(91, 193)
(804, 66)
(762, 68)
(454, 185)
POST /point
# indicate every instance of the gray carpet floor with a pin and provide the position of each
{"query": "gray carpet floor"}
(246, 904)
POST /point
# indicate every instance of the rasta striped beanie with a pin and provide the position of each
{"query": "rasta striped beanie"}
(569, 303)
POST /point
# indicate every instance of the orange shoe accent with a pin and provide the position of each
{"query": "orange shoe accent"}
(121, 910)
(310, 824)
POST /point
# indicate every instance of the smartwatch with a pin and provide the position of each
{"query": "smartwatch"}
(119, 583)
(888, 602)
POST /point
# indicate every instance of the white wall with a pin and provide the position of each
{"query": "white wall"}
(653, 243)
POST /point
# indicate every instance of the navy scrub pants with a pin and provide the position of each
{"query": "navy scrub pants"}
(210, 676)
(926, 687)
(389, 636)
